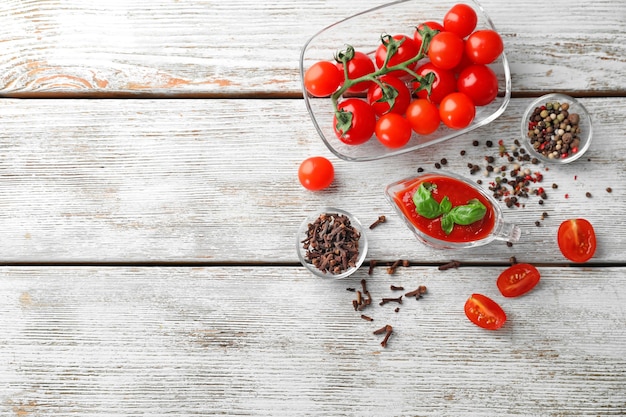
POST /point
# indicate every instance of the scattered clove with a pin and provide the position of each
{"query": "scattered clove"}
(394, 288)
(392, 268)
(381, 330)
(373, 263)
(391, 300)
(417, 293)
(368, 318)
(381, 219)
(388, 330)
(449, 265)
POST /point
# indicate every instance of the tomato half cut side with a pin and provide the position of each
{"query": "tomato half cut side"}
(484, 312)
(518, 279)
(577, 240)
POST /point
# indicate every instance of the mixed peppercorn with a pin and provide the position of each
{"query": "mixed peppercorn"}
(553, 131)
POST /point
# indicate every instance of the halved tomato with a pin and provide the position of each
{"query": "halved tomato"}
(577, 240)
(484, 312)
(518, 279)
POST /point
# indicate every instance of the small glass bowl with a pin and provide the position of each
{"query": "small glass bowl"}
(501, 230)
(585, 124)
(363, 31)
(302, 234)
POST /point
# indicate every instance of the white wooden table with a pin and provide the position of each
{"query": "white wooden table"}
(149, 200)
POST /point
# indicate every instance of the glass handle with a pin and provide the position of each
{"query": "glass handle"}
(508, 232)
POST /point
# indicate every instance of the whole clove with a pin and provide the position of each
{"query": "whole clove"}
(394, 288)
(449, 265)
(368, 318)
(417, 293)
(391, 300)
(373, 264)
(388, 332)
(381, 219)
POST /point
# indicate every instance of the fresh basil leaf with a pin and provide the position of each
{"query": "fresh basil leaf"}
(445, 205)
(447, 223)
(470, 213)
(425, 204)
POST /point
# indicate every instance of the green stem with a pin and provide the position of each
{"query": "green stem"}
(385, 69)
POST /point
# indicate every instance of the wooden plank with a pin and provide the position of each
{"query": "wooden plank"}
(200, 48)
(276, 341)
(199, 181)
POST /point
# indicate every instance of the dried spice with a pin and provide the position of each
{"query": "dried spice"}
(332, 243)
(417, 293)
(381, 219)
(553, 131)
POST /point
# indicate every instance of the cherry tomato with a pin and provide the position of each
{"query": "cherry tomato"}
(460, 19)
(358, 66)
(393, 130)
(362, 125)
(316, 173)
(417, 37)
(400, 102)
(322, 79)
(407, 50)
(577, 240)
(484, 312)
(446, 50)
(484, 46)
(457, 110)
(480, 84)
(518, 279)
(423, 116)
(444, 84)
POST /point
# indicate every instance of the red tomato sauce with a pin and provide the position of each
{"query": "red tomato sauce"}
(459, 193)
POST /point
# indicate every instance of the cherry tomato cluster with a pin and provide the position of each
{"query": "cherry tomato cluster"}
(413, 82)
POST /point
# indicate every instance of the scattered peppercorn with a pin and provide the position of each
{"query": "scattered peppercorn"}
(475, 143)
(588, 194)
(420, 169)
(489, 144)
(463, 153)
(437, 165)
(609, 190)
(444, 161)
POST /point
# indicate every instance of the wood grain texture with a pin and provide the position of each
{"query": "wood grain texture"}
(216, 181)
(244, 48)
(276, 341)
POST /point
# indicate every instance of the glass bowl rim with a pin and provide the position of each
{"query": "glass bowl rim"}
(561, 97)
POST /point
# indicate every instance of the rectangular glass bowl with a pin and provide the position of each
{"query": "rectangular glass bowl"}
(363, 31)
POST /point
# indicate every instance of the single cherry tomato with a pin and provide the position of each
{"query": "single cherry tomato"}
(401, 96)
(444, 83)
(518, 279)
(423, 116)
(360, 65)
(407, 50)
(393, 130)
(457, 110)
(417, 37)
(446, 50)
(322, 79)
(484, 46)
(484, 312)
(577, 240)
(360, 128)
(316, 173)
(480, 83)
(460, 19)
